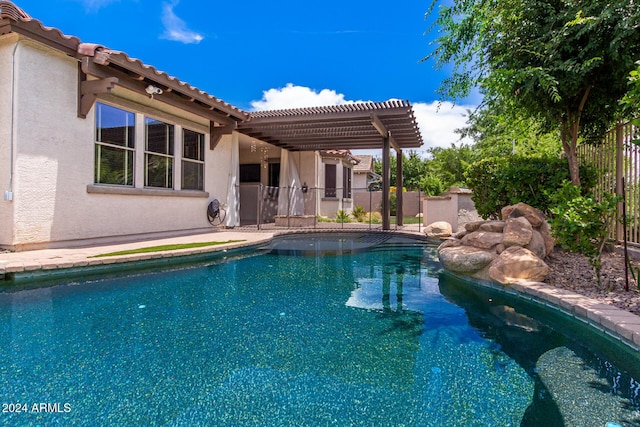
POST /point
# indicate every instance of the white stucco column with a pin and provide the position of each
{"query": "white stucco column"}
(177, 157)
(233, 194)
(138, 180)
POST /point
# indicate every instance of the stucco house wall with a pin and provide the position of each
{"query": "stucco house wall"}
(6, 209)
(329, 206)
(54, 199)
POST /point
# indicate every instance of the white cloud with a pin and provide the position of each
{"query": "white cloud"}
(437, 121)
(292, 96)
(175, 28)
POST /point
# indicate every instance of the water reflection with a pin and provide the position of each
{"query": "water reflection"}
(574, 385)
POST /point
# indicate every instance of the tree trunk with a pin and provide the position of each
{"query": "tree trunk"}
(569, 133)
(569, 137)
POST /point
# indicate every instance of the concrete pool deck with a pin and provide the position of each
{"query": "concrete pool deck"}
(617, 323)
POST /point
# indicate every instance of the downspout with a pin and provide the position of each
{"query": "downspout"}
(8, 195)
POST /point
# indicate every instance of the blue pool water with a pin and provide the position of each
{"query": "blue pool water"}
(314, 330)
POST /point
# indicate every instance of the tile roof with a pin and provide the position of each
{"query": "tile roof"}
(365, 165)
(342, 154)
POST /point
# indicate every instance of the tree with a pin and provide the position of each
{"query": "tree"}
(449, 164)
(631, 101)
(413, 170)
(561, 62)
(500, 131)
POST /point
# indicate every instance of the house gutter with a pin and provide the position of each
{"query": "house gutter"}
(8, 195)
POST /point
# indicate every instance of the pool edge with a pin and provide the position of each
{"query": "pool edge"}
(615, 322)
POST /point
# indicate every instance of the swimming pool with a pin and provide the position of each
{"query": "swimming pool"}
(315, 329)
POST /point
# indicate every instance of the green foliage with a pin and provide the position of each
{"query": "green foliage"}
(449, 164)
(359, 213)
(631, 101)
(580, 223)
(392, 203)
(502, 181)
(342, 216)
(562, 63)
(413, 169)
(432, 185)
(444, 167)
(500, 130)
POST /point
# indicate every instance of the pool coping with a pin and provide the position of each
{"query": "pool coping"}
(613, 321)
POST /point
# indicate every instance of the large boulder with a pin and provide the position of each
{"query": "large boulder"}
(537, 244)
(549, 241)
(516, 264)
(482, 239)
(438, 229)
(493, 226)
(505, 251)
(517, 232)
(533, 215)
(465, 259)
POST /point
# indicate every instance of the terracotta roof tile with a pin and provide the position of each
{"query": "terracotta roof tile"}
(365, 165)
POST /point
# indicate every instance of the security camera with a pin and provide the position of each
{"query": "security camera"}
(153, 90)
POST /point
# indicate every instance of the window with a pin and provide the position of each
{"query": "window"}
(118, 160)
(192, 160)
(329, 180)
(274, 175)
(250, 172)
(158, 154)
(115, 145)
(346, 182)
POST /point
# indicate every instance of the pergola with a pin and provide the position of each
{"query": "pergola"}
(370, 125)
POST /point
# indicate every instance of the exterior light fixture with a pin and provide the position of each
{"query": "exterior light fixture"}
(153, 90)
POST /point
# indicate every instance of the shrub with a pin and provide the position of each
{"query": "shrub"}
(432, 185)
(358, 213)
(343, 216)
(502, 181)
(580, 223)
(373, 217)
(392, 204)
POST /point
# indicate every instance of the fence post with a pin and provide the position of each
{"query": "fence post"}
(315, 207)
(288, 207)
(259, 204)
(370, 208)
(419, 211)
(619, 173)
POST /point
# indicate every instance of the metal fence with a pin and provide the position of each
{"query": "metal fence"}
(265, 207)
(617, 160)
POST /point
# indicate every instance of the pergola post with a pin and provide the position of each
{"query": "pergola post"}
(386, 187)
(399, 182)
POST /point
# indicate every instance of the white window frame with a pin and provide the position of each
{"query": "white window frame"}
(187, 160)
(169, 157)
(99, 144)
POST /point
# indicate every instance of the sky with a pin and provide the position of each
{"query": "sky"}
(263, 55)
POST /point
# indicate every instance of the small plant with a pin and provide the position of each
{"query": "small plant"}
(392, 203)
(580, 223)
(359, 213)
(343, 216)
(373, 217)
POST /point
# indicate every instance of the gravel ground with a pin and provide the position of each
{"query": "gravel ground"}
(573, 272)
